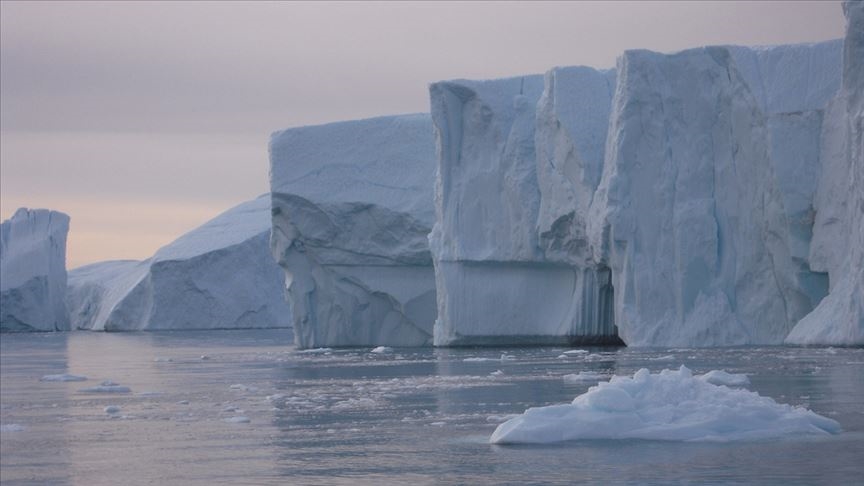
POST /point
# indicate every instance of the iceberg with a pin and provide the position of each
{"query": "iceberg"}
(668, 202)
(672, 405)
(518, 160)
(33, 271)
(352, 208)
(838, 230)
(218, 276)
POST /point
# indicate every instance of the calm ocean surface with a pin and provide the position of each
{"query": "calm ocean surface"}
(348, 416)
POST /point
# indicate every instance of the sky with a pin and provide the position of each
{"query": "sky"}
(143, 120)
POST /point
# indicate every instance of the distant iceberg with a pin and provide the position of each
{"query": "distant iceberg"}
(218, 276)
(670, 405)
(33, 271)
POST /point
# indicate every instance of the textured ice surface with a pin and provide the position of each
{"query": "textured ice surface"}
(63, 377)
(33, 271)
(352, 208)
(218, 276)
(668, 202)
(518, 160)
(838, 230)
(670, 405)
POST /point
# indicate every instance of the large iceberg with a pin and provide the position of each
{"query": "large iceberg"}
(838, 231)
(518, 160)
(33, 271)
(668, 202)
(218, 276)
(352, 208)
(670, 405)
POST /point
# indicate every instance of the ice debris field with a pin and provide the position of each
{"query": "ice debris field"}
(669, 405)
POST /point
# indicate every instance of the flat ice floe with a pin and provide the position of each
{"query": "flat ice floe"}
(63, 377)
(670, 405)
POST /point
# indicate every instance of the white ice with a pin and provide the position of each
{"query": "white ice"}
(63, 377)
(671, 405)
(33, 271)
(218, 276)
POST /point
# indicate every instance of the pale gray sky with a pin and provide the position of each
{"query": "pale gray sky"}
(143, 120)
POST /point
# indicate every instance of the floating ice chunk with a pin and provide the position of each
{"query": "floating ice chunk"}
(382, 350)
(583, 376)
(245, 388)
(316, 351)
(12, 428)
(238, 419)
(355, 403)
(112, 409)
(160, 359)
(497, 373)
(478, 360)
(720, 377)
(106, 389)
(63, 377)
(670, 405)
(575, 351)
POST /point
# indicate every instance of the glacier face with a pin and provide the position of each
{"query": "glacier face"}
(669, 202)
(33, 271)
(838, 231)
(218, 276)
(352, 208)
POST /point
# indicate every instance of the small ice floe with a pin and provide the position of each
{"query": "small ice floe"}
(382, 350)
(507, 357)
(720, 377)
(670, 405)
(183, 402)
(575, 352)
(479, 360)
(106, 386)
(276, 397)
(583, 376)
(245, 388)
(315, 351)
(12, 428)
(237, 419)
(112, 409)
(162, 359)
(204, 357)
(497, 373)
(150, 394)
(63, 377)
(438, 424)
(667, 357)
(354, 404)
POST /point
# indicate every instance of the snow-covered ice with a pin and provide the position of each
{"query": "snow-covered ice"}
(218, 276)
(381, 350)
(670, 405)
(352, 207)
(33, 271)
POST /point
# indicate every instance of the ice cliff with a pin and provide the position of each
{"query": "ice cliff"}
(33, 271)
(352, 208)
(668, 202)
(838, 231)
(218, 276)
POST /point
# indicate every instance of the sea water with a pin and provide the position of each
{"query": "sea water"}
(246, 407)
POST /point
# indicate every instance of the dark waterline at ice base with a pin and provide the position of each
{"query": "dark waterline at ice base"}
(246, 407)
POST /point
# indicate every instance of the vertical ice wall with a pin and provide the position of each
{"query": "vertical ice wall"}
(705, 210)
(838, 232)
(33, 271)
(518, 160)
(352, 208)
(674, 200)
